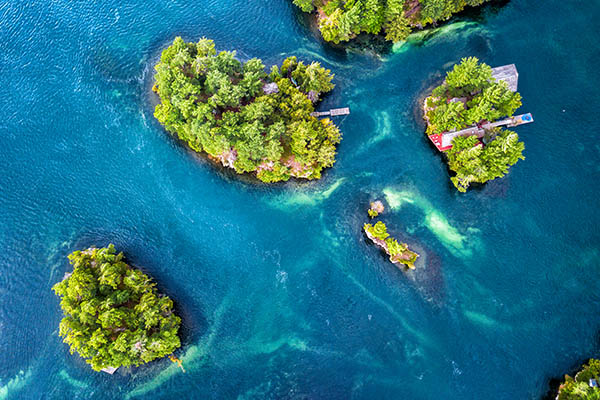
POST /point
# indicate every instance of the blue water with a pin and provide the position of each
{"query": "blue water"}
(281, 296)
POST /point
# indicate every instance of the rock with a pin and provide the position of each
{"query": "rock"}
(271, 88)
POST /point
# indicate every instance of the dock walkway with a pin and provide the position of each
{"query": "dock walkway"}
(333, 112)
(443, 141)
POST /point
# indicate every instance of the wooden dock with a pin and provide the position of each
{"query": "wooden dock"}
(332, 113)
(443, 141)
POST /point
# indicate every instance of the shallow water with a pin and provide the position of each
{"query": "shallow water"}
(280, 294)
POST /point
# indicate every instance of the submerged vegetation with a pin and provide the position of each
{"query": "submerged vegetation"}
(398, 252)
(243, 117)
(581, 387)
(342, 20)
(113, 314)
(470, 96)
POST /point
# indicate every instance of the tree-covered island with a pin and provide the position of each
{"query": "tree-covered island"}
(398, 252)
(342, 20)
(113, 315)
(585, 385)
(463, 119)
(241, 116)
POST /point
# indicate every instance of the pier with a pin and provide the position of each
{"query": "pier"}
(443, 141)
(506, 73)
(332, 113)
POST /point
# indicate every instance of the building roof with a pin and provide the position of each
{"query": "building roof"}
(507, 73)
(437, 142)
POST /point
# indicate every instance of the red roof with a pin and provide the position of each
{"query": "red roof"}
(437, 141)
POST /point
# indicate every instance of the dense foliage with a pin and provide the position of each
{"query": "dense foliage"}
(579, 388)
(243, 117)
(342, 20)
(398, 252)
(469, 95)
(471, 83)
(113, 314)
(474, 163)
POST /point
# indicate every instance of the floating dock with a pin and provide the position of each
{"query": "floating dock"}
(332, 113)
(109, 370)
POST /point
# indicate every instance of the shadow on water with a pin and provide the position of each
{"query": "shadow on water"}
(427, 278)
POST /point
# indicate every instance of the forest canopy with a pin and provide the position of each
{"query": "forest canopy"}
(342, 20)
(468, 96)
(113, 315)
(579, 388)
(472, 162)
(243, 117)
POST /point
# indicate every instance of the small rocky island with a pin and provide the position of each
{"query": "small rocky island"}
(465, 117)
(376, 209)
(398, 252)
(113, 315)
(340, 21)
(585, 385)
(241, 116)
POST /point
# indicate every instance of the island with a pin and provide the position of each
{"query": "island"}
(398, 252)
(376, 208)
(465, 116)
(585, 385)
(113, 315)
(244, 118)
(342, 20)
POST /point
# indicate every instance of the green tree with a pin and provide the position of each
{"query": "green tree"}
(305, 5)
(474, 163)
(112, 313)
(578, 388)
(243, 117)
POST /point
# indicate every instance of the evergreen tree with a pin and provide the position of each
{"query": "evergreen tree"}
(243, 117)
(578, 388)
(342, 20)
(113, 314)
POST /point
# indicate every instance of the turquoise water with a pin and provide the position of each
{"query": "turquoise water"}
(280, 294)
